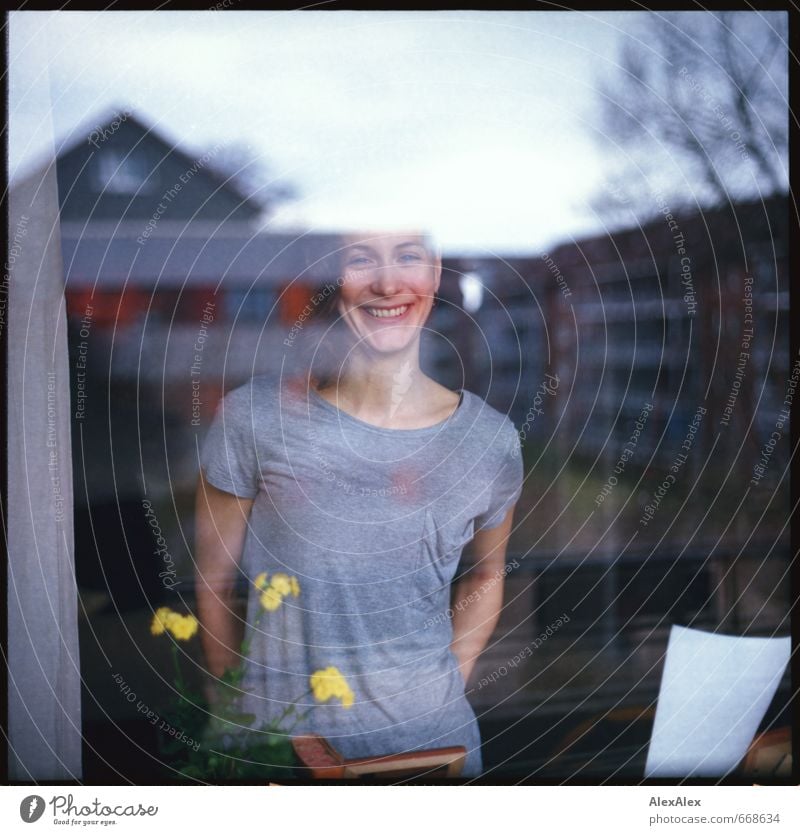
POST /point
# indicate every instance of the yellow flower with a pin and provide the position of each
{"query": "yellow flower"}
(294, 586)
(320, 685)
(261, 581)
(281, 584)
(183, 627)
(271, 599)
(322, 690)
(328, 683)
(160, 619)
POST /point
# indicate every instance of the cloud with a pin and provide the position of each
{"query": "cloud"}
(462, 117)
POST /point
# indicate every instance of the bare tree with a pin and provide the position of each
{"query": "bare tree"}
(698, 110)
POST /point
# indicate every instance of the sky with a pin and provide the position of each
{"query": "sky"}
(480, 126)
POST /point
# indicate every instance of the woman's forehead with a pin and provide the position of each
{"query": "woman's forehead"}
(386, 238)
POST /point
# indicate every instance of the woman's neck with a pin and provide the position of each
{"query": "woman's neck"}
(380, 389)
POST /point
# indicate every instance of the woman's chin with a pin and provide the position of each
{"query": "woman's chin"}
(387, 343)
(385, 339)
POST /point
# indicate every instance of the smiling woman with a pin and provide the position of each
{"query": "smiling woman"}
(364, 478)
(385, 294)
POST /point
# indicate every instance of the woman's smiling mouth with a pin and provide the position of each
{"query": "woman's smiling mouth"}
(387, 312)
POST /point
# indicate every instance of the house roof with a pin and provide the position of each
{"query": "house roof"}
(637, 251)
(123, 126)
(191, 256)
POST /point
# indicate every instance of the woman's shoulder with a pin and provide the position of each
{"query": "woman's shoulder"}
(494, 427)
(487, 414)
(262, 392)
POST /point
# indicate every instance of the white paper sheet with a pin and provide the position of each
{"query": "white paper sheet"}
(715, 690)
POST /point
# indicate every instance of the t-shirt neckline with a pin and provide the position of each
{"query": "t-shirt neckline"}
(348, 418)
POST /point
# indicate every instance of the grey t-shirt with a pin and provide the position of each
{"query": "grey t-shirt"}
(372, 522)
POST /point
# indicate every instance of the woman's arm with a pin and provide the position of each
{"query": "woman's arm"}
(479, 595)
(220, 528)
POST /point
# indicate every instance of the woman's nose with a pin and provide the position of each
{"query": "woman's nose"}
(385, 280)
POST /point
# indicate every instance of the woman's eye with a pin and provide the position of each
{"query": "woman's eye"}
(407, 257)
(357, 260)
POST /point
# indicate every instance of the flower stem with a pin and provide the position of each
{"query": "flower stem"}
(178, 677)
(294, 725)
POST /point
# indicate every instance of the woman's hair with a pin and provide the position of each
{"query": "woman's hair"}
(322, 338)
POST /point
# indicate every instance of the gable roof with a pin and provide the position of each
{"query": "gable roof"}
(193, 256)
(165, 165)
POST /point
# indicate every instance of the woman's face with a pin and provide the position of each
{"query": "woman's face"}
(389, 281)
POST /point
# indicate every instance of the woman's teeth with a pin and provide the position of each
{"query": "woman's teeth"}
(387, 313)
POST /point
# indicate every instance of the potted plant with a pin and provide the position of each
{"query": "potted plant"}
(217, 742)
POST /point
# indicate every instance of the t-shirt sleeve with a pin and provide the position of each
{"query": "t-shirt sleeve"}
(506, 487)
(228, 455)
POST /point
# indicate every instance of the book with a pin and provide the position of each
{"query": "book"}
(325, 762)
